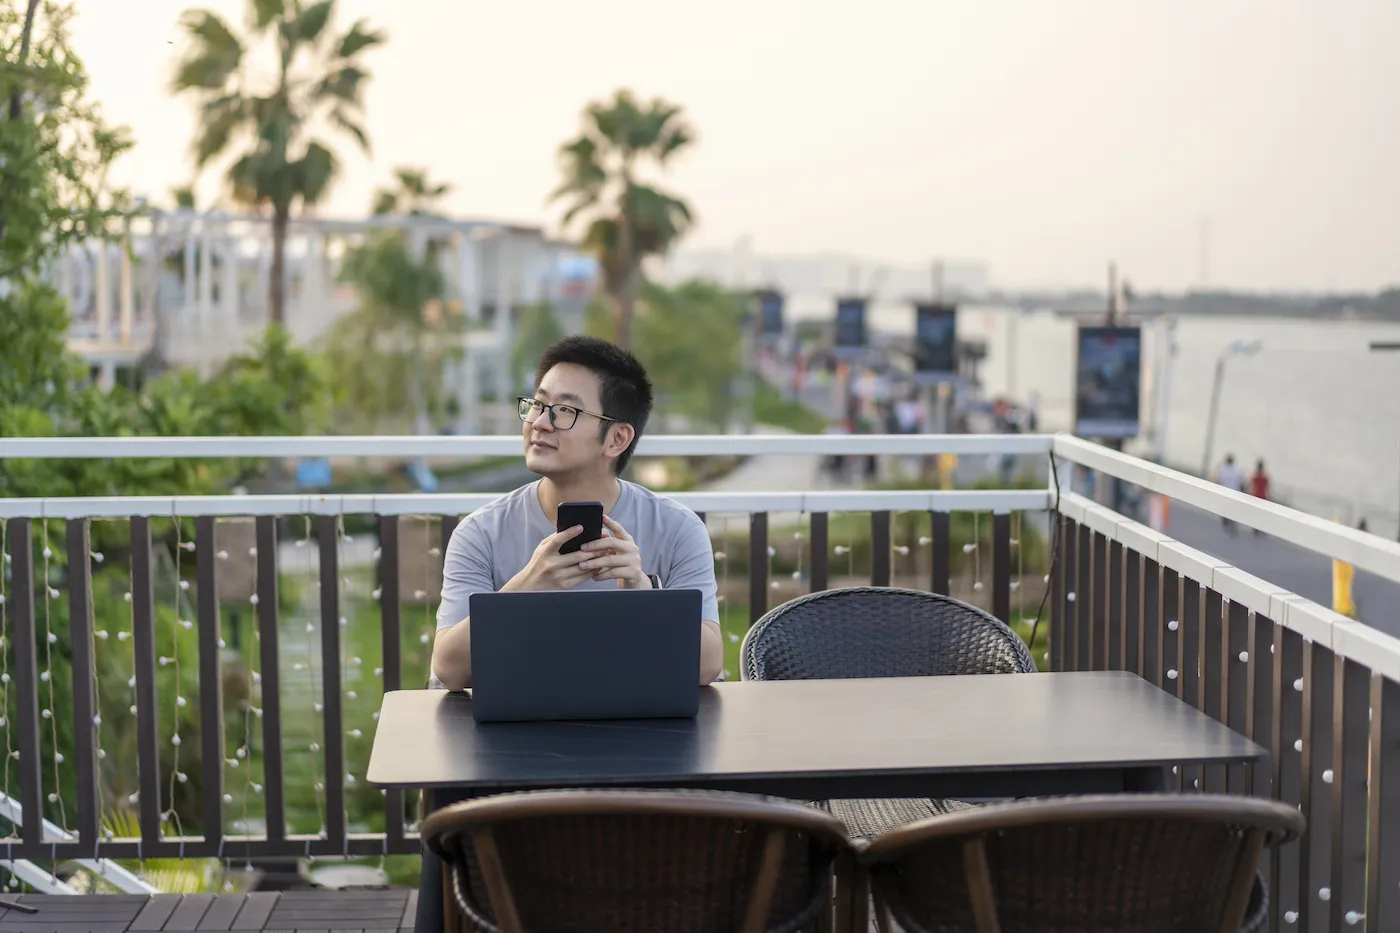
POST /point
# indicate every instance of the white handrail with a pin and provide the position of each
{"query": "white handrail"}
(1358, 548)
(509, 445)
(972, 500)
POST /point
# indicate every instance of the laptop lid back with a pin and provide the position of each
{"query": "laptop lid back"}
(594, 654)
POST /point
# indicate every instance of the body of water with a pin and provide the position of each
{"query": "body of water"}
(1315, 403)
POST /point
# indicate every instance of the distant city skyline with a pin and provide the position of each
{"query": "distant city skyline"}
(1041, 140)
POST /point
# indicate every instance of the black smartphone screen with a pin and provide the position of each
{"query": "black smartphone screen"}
(587, 514)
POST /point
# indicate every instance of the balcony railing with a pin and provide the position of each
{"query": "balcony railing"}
(240, 632)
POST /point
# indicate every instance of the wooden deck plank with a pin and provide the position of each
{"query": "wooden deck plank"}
(38, 900)
(157, 910)
(222, 912)
(69, 926)
(389, 912)
(190, 911)
(70, 915)
(77, 911)
(330, 913)
(378, 894)
(256, 909)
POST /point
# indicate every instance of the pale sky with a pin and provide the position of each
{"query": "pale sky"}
(1043, 138)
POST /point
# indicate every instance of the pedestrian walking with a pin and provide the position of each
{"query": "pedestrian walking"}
(1231, 477)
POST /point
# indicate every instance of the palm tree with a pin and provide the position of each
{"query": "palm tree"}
(319, 81)
(414, 195)
(629, 220)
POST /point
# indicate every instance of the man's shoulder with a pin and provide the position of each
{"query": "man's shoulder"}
(501, 509)
(660, 508)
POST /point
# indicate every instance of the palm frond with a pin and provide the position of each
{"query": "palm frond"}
(220, 121)
(313, 172)
(584, 177)
(265, 11)
(343, 84)
(411, 180)
(577, 208)
(673, 139)
(617, 120)
(243, 181)
(658, 219)
(342, 121)
(385, 202)
(214, 55)
(359, 38)
(312, 20)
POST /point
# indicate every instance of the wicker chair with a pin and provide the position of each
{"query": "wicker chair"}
(869, 631)
(1147, 863)
(637, 860)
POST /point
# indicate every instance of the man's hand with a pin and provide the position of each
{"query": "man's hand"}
(615, 556)
(550, 570)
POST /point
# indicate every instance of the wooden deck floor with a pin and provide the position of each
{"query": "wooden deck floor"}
(361, 911)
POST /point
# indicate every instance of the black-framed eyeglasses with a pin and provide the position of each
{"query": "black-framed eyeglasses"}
(562, 417)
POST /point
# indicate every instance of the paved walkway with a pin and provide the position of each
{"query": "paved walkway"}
(1297, 569)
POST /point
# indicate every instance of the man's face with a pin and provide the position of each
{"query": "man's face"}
(551, 450)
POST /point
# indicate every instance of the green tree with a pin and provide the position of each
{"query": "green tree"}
(536, 330)
(628, 220)
(394, 348)
(54, 145)
(319, 81)
(690, 340)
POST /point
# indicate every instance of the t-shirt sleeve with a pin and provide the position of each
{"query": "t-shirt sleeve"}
(693, 566)
(466, 569)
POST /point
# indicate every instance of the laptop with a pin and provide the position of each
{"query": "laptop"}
(591, 654)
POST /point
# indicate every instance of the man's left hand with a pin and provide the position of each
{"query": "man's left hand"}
(615, 556)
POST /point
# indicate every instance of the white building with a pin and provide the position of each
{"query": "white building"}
(193, 287)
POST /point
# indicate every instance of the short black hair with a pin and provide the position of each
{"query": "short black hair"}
(626, 388)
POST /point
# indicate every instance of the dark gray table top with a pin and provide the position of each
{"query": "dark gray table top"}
(945, 736)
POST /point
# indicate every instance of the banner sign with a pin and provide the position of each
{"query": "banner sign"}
(1108, 382)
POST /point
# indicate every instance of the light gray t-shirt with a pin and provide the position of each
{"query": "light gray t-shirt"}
(494, 543)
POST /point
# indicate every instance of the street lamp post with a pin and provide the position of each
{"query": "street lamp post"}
(1236, 348)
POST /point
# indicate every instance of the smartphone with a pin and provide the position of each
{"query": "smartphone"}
(587, 514)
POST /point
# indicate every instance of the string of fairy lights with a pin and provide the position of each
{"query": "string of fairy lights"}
(10, 752)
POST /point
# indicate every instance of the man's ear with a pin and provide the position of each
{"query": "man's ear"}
(618, 439)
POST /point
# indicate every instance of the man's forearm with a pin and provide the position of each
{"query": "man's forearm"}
(452, 647)
(452, 655)
(711, 652)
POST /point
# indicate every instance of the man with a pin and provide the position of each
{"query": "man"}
(1259, 486)
(1231, 477)
(580, 428)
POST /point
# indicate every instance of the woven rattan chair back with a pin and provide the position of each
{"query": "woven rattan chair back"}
(870, 631)
(637, 861)
(1126, 863)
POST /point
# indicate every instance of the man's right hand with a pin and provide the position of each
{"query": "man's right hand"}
(550, 570)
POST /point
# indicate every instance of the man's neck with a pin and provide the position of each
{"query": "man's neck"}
(604, 489)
